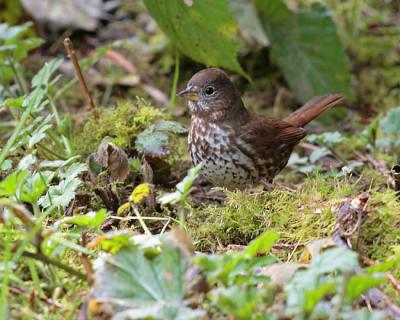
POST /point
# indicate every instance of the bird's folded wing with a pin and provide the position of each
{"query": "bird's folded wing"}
(269, 133)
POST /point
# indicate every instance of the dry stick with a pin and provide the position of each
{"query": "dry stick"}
(85, 260)
(71, 54)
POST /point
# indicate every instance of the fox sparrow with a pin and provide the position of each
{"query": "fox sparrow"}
(236, 147)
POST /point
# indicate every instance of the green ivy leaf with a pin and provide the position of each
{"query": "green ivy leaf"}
(205, 31)
(307, 48)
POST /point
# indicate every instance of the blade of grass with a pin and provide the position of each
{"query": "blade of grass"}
(174, 83)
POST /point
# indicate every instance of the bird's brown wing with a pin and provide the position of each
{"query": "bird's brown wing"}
(266, 133)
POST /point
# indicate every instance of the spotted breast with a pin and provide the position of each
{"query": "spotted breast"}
(217, 149)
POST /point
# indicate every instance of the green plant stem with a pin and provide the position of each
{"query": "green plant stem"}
(47, 260)
(337, 155)
(65, 140)
(64, 89)
(146, 230)
(18, 77)
(5, 277)
(35, 276)
(53, 137)
(52, 152)
(342, 292)
(181, 214)
(6, 150)
(174, 83)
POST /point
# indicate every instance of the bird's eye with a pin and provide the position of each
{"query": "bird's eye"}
(209, 91)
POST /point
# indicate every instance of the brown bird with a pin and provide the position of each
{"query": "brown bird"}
(236, 147)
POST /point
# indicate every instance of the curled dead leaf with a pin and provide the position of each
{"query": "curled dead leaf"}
(112, 158)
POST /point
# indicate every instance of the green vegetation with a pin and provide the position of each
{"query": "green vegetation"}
(101, 214)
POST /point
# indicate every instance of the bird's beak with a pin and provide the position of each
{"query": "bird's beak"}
(191, 92)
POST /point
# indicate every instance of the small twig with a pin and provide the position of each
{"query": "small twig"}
(146, 230)
(276, 246)
(136, 218)
(85, 260)
(71, 54)
(393, 281)
(165, 226)
(293, 251)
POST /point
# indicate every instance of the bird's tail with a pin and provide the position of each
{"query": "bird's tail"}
(312, 109)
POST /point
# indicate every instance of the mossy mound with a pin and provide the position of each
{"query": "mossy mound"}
(122, 124)
(301, 216)
(298, 216)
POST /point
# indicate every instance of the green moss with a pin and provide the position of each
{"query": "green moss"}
(122, 124)
(300, 215)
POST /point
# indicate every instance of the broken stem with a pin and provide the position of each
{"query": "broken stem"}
(71, 54)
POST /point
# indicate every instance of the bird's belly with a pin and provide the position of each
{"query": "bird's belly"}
(223, 164)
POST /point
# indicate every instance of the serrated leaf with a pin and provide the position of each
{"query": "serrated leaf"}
(153, 143)
(307, 48)
(35, 185)
(61, 194)
(73, 170)
(40, 132)
(205, 31)
(42, 78)
(131, 280)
